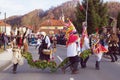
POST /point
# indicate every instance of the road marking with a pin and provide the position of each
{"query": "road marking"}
(118, 62)
(72, 78)
(62, 45)
(60, 58)
(7, 67)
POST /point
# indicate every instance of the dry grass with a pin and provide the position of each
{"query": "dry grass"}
(1, 50)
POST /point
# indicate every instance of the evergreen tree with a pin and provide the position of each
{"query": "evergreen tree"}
(118, 20)
(80, 18)
(96, 18)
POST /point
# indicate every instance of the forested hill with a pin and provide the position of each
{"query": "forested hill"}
(35, 17)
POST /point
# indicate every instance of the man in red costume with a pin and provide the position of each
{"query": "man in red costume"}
(73, 47)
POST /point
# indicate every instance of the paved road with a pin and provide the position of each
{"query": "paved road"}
(109, 71)
(5, 59)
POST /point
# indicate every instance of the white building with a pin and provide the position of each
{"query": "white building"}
(22, 29)
(5, 28)
(51, 25)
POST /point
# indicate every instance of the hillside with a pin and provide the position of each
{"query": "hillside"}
(35, 17)
(113, 8)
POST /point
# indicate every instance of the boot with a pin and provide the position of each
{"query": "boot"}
(71, 67)
(15, 68)
(112, 59)
(75, 68)
(65, 67)
(82, 63)
(115, 56)
(97, 65)
(75, 72)
(85, 61)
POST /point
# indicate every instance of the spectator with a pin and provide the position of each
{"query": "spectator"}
(5, 40)
(44, 45)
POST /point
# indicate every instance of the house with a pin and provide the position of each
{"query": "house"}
(22, 29)
(51, 26)
(4, 27)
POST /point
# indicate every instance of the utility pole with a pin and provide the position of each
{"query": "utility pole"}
(5, 21)
(86, 13)
(0, 28)
(63, 17)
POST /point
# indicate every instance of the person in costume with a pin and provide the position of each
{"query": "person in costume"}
(54, 40)
(45, 44)
(39, 40)
(17, 58)
(97, 49)
(84, 45)
(73, 48)
(113, 47)
(95, 45)
(19, 45)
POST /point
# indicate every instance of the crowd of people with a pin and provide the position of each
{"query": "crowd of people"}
(106, 43)
(99, 44)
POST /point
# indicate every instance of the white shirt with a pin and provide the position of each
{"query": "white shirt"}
(86, 44)
(39, 42)
(47, 40)
(73, 48)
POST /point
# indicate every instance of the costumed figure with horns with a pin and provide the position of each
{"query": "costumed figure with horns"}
(97, 49)
(19, 45)
(84, 45)
(72, 48)
(113, 47)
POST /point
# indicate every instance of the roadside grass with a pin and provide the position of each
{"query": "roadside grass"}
(2, 49)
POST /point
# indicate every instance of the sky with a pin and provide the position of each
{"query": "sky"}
(21, 7)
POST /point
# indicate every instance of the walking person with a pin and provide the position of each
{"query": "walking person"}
(73, 48)
(113, 47)
(118, 34)
(17, 58)
(38, 41)
(97, 49)
(84, 46)
(45, 44)
(54, 40)
(19, 42)
(5, 40)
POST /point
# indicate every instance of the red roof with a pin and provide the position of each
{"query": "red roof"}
(29, 27)
(52, 22)
(3, 24)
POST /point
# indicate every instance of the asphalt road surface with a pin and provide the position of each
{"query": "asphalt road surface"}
(108, 70)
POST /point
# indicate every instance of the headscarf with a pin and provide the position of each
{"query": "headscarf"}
(43, 33)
